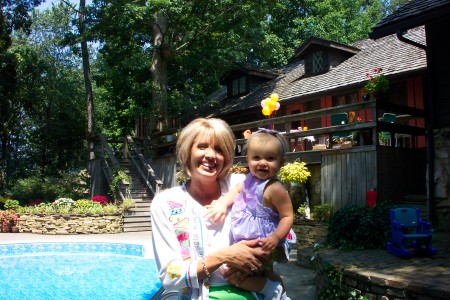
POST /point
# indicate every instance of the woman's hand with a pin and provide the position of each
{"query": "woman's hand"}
(235, 276)
(246, 256)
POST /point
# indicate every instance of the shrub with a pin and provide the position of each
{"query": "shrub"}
(35, 187)
(127, 203)
(323, 212)
(360, 227)
(11, 204)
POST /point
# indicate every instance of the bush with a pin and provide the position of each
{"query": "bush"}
(45, 189)
(323, 212)
(11, 204)
(360, 227)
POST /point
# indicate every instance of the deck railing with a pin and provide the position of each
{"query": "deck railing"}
(164, 142)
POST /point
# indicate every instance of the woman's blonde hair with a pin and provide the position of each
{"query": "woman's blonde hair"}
(219, 133)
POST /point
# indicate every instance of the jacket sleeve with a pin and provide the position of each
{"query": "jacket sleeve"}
(175, 271)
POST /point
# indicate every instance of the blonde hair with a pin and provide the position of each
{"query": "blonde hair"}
(260, 138)
(219, 133)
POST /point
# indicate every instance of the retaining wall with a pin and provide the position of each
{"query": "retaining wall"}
(70, 224)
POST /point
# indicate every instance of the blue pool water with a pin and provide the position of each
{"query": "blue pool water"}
(76, 271)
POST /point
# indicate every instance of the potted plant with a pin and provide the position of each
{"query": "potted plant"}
(377, 83)
(295, 172)
(8, 220)
(295, 175)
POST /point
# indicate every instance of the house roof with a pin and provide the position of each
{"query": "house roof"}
(250, 70)
(410, 15)
(388, 53)
(316, 41)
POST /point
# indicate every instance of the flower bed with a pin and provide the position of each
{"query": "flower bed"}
(70, 224)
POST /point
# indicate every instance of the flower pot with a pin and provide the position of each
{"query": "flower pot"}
(15, 229)
(6, 227)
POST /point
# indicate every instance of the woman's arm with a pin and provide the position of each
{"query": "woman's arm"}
(176, 270)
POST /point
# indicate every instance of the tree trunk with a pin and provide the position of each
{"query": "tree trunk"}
(87, 83)
(159, 119)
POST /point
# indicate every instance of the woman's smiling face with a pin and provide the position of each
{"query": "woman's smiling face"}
(207, 158)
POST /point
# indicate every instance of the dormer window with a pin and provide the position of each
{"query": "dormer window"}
(239, 86)
(318, 62)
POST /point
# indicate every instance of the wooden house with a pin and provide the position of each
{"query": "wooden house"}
(324, 79)
(434, 15)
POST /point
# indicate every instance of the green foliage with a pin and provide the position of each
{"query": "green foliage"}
(36, 188)
(360, 227)
(377, 82)
(302, 210)
(68, 185)
(83, 203)
(294, 172)
(334, 289)
(68, 206)
(323, 212)
(127, 204)
(11, 204)
(119, 176)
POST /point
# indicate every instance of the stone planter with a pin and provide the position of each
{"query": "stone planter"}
(309, 232)
(70, 224)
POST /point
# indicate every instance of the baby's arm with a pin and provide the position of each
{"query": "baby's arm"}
(278, 198)
(217, 211)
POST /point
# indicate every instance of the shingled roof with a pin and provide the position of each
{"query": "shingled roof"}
(410, 15)
(393, 56)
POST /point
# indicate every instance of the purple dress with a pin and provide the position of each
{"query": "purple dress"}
(249, 218)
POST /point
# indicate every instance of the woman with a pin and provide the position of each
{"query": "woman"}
(194, 255)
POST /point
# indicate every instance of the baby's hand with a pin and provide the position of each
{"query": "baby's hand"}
(217, 211)
(268, 244)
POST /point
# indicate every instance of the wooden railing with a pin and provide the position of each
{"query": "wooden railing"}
(167, 139)
(145, 172)
(109, 164)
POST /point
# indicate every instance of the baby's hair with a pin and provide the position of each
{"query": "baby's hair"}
(264, 135)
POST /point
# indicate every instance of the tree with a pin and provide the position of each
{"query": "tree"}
(183, 47)
(14, 16)
(49, 132)
(186, 39)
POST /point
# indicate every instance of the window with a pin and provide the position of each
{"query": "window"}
(239, 86)
(318, 62)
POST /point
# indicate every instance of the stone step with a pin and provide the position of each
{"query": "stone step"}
(137, 219)
(137, 229)
(143, 213)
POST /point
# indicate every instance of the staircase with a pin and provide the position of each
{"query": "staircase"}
(136, 218)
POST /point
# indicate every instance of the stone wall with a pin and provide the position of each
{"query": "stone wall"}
(70, 224)
(309, 232)
(441, 178)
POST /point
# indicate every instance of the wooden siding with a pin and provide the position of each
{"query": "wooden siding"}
(438, 64)
(165, 168)
(347, 174)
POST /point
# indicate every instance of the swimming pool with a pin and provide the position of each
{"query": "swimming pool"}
(76, 271)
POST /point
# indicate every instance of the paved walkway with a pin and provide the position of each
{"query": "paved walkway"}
(418, 275)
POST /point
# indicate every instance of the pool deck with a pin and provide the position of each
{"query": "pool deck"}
(299, 281)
